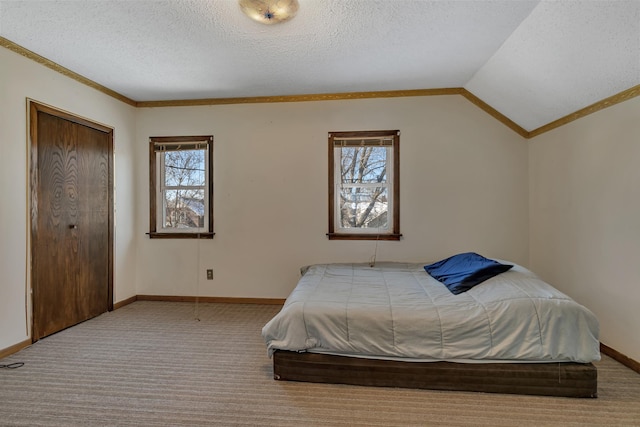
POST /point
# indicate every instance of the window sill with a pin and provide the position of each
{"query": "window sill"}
(156, 235)
(354, 236)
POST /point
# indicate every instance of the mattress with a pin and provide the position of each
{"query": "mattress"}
(398, 311)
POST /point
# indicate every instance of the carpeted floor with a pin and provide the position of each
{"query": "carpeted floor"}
(154, 364)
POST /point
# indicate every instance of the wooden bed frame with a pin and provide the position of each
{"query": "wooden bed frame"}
(547, 379)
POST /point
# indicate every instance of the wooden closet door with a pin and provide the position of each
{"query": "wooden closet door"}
(71, 223)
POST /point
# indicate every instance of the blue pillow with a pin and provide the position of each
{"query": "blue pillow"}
(462, 272)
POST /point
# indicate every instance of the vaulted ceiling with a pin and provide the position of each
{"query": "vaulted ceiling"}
(532, 61)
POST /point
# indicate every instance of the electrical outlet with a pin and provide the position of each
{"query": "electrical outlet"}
(210, 274)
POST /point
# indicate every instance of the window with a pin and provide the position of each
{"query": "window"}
(364, 185)
(181, 187)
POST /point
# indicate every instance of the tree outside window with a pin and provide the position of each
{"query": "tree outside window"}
(181, 187)
(364, 185)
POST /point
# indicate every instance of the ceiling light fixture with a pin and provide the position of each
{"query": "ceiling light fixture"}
(269, 11)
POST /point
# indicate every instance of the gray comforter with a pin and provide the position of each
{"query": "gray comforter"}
(397, 310)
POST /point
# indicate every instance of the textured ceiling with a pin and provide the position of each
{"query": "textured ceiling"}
(533, 61)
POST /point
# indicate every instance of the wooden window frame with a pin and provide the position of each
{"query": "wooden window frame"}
(153, 190)
(394, 233)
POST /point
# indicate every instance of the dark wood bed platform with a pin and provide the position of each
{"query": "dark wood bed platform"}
(547, 379)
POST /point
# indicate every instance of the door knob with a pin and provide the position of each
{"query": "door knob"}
(73, 227)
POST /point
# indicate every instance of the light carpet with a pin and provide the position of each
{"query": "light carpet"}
(154, 364)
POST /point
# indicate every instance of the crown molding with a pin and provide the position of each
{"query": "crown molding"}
(600, 105)
(495, 113)
(300, 98)
(8, 44)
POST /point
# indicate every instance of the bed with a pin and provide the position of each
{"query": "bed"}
(394, 324)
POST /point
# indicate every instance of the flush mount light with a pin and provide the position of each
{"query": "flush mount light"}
(269, 11)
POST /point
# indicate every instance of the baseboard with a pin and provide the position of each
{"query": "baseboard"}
(176, 298)
(15, 348)
(127, 301)
(227, 300)
(621, 358)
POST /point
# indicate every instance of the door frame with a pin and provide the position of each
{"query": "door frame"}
(35, 107)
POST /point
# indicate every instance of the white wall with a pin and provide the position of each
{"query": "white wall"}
(21, 78)
(585, 214)
(463, 184)
(566, 203)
